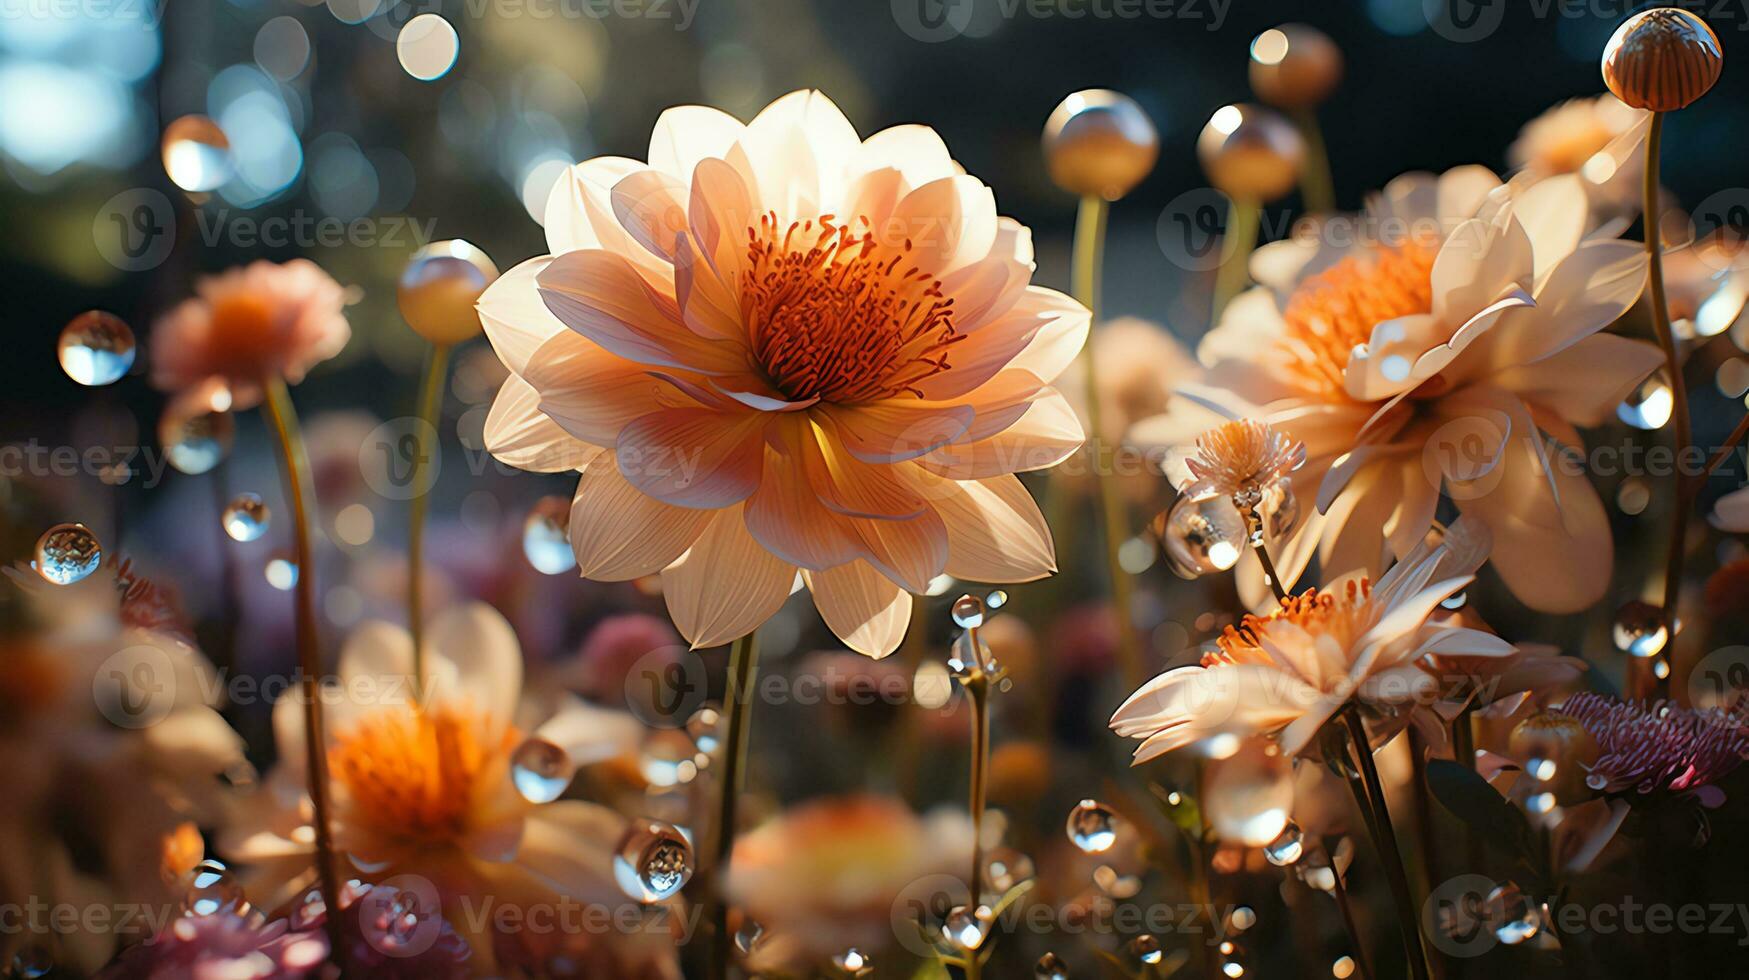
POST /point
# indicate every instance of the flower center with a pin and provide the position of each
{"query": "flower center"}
(835, 314)
(1343, 616)
(1335, 311)
(415, 773)
(244, 337)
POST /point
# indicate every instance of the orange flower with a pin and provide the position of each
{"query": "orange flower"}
(249, 323)
(777, 347)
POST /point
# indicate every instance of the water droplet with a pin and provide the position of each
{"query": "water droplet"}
(96, 348)
(546, 536)
(1092, 827)
(1511, 915)
(67, 553)
(1050, 967)
(1639, 629)
(1649, 406)
(32, 963)
(1232, 959)
(1241, 919)
(1541, 769)
(197, 156)
(853, 962)
(1287, 848)
(748, 935)
(246, 517)
(281, 572)
(1202, 536)
(1633, 495)
(667, 758)
(211, 888)
(1005, 868)
(996, 600)
(1145, 950)
(964, 664)
(654, 861)
(541, 770)
(968, 612)
(704, 726)
(965, 928)
(196, 429)
(1343, 968)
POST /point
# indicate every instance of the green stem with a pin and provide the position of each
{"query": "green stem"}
(1317, 187)
(294, 467)
(1084, 283)
(738, 702)
(1230, 278)
(1679, 406)
(1385, 840)
(430, 396)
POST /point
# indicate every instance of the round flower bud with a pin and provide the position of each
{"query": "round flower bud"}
(1662, 59)
(1251, 153)
(439, 287)
(1099, 143)
(1555, 750)
(1295, 66)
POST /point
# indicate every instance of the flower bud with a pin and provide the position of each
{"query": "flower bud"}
(1251, 153)
(1099, 143)
(1295, 66)
(1662, 59)
(1554, 749)
(439, 287)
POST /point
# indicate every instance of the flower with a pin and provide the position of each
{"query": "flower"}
(1599, 139)
(1706, 286)
(1443, 350)
(1649, 748)
(824, 875)
(427, 789)
(388, 933)
(225, 944)
(1245, 460)
(1288, 672)
(251, 323)
(778, 347)
(1662, 59)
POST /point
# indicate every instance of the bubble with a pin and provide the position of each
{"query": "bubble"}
(1650, 405)
(965, 928)
(1639, 629)
(653, 862)
(281, 572)
(1287, 848)
(1512, 916)
(246, 517)
(1633, 495)
(196, 429)
(1203, 536)
(427, 47)
(197, 156)
(211, 888)
(540, 770)
(964, 663)
(748, 935)
(1145, 951)
(996, 600)
(968, 612)
(96, 348)
(439, 287)
(546, 536)
(1050, 967)
(1005, 868)
(1092, 827)
(1241, 919)
(67, 553)
(703, 727)
(853, 962)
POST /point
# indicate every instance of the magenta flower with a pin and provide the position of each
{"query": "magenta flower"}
(226, 944)
(1658, 747)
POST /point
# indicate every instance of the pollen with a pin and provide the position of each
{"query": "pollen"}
(1343, 615)
(1335, 311)
(417, 773)
(836, 314)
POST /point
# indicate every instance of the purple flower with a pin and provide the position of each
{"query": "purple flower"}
(1658, 747)
(225, 944)
(391, 933)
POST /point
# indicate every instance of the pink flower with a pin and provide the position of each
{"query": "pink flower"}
(225, 944)
(1658, 747)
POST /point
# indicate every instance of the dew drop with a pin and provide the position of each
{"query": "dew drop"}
(668, 758)
(1145, 950)
(965, 928)
(1050, 967)
(748, 935)
(546, 536)
(211, 888)
(96, 348)
(1650, 405)
(1660, 668)
(541, 770)
(1512, 916)
(1092, 827)
(968, 612)
(281, 572)
(246, 517)
(1241, 919)
(197, 156)
(653, 862)
(1639, 629)
(1005, 868)
(67, 553)
(1287, 848)
(704, 726)
(196, 429)
(1202, 536)
(996, 600)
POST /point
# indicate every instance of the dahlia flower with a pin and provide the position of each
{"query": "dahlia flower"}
(1647, 748)
(249, 323)
(1286, 673)
(228, 944)
(1446, 351)
(776, 347)
(1602, 141)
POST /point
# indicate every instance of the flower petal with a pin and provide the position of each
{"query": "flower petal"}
(694, 457)
(726, 584)
(519, 434)
(602, 296)
(620, 533)
(863, 607)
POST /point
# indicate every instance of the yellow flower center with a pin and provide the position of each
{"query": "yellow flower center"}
(416, 773)
(1343, 616)
(839, 315)
(1569, 150)
(1333, 312)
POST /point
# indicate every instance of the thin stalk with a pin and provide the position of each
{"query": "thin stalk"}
(1463, 748)
(1678, 394)
(1385, 841)
(1260, 547)
(1340, 891)
(1242, 219)
(1084, 283)
(1317, 187)
(294, 467)
(430, 391)
(978, 693)
(1718, 458)
(743, 669)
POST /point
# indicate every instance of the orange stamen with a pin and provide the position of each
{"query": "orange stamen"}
(1335, 311)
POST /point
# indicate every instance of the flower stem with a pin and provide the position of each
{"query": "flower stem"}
(1378, 815)
(1084, 283)
(738, 702)
(1317, 187)
(1718, 458)
(1340, 890)
(294, 467)
(1242, 219)
(430, 390)
(1254, 533)
(1678, 393)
